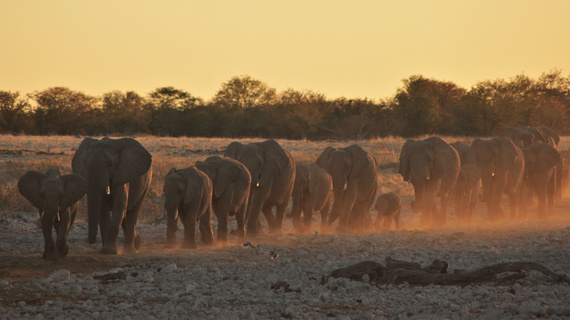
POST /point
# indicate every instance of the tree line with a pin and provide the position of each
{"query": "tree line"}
(246, 107)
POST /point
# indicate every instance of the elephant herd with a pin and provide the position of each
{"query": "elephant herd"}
(522, 163)
(251, 179)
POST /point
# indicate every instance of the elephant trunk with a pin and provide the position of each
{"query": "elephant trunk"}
(171, 207)
(94, 204)
(419, 190)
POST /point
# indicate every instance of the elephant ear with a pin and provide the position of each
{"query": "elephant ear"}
(194, 183)
(227, 174)
(78, 161)
(30, 185)
(134, 161)
(445, 158)
(74, 188)
(232, 149)
(404, 168)
(275, 161)
(323, 159)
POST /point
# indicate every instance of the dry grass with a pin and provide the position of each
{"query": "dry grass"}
(19, 154)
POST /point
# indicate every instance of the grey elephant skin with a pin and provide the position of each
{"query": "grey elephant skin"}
(432, 166)
(354, 175)
(272, 171)
(542, 173)
(466, 192)
(231, 184)
(188, 195)
(119, 173)
(389, 207)
(56, 197)
(502, 165)
(312, 192)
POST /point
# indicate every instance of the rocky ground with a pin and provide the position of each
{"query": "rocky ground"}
(252, 282)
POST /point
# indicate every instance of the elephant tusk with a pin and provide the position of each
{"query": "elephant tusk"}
(257, 185)
(344, 187)
(427, 178)
(42, 215)
(492, 174)
(108, 190)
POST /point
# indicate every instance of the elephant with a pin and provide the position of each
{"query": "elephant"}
(311, 192)
(57, 198)
(551, 137)
(231, 184)
(272, 171)
(502, 165)
(388, 205)
(467, 190)
(188, 192)
(118, 172)
(432, 166)
(466, 154)
(354, 175)
(543, 165)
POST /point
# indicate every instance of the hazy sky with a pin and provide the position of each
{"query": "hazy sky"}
(355, 49)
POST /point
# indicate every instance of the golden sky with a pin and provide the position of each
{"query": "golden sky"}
(355, 49)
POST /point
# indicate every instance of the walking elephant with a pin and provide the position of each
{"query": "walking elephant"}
(542, 173)
(388, 206)
(523, 136)
(466, 192)
(354, 175)
(432, 166)
(188, 192)
(118, 172)
(311, 192)
(231, 184)
(502, 165)
(272, 171)
(57, 198)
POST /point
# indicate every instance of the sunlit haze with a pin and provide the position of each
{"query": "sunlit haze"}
(356, 49)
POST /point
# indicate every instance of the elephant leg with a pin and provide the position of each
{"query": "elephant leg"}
(325, 210)
(541, 197)
(442, 214)
(206, 233)
(120, 200)
(258, 199)
(387, 223)
(240, 218)
(221, 209)
(279, 215)
(189, 223)
(350, 195)
(104, 224)
(63, 233)
(269, 217)
(308, 209)
(298, 206)
(551, 190)
(49, 244)
(397, 219)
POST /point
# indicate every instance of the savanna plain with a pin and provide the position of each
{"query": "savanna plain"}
(284, 276)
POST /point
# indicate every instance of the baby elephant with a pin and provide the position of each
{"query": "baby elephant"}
(57, 198)
(311, 192)
(188, 192)
(388, 206)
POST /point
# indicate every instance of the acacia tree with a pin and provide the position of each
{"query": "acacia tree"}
(168, 109)
(63, 111)
(244, 92)
(13, 109)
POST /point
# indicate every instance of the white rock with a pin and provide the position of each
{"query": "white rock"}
(169, 268)
(61, 275)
